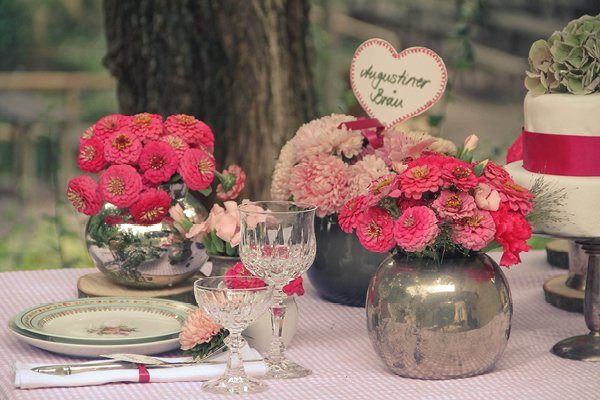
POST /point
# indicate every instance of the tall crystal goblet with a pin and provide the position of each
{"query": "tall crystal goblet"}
(278, 244)
(235, 309)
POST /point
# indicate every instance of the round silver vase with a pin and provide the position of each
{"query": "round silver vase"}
(439, 321)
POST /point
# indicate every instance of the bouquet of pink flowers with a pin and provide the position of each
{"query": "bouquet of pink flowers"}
(437, 204)
(135, 155)
(326, 163)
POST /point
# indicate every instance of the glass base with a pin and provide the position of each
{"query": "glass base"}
(286, 369)
(235, 385)
(582, 348)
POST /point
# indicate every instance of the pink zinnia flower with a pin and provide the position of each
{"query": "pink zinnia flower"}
(158, 162)
(151, 208)
(122, 148)
(91, 155)
(515, 196)
(83, 194)
(375, 229)
(486, 197)
(111, 124)
(321, 180)
(190, 129)
(474, 232)
(493, 173)
(349, 214)
(239, 177)
(146, 126)
(418, 179)
(197, 329)
(459, 174)
(361, 174)
(416, 228)
(380, 188)
(454, 206)
(87, 134)
(197, 168)
(177, 144)
(120, 185)
(404, 203)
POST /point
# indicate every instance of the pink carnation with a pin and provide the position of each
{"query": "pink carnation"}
(121, 185)
(111, 124)
(190, 129)
(459, 174)
(197, 168)
(240, 180)
(177, 144)
(151, 208)
(197, 329)
(146, 126)
(122, 148)
(374, 229)
(512, 232)
(321, 180)
(474, 232)
(83, 194)
(418, 179)
(454, 206)
(416, 228)
(158, 162)
(348, 215)
(91, 155)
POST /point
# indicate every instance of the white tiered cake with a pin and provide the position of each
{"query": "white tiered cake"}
(564, 115)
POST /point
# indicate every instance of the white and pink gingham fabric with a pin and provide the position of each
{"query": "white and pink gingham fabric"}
(332, 340)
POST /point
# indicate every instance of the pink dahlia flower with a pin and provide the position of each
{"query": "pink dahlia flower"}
(517, 197)
(454, 206)
(151, 208)
(280, 182)
(459, 174)
(197, 329)
(419, 179)
(120, 185)
(158, 162)
(349, 214)
(322, 136)
(474, 232)
(146, 126)
(122, 148)
(91, 155)
(197, 168)
(111, 124)
(321, 180)
(486, 197)
(239, 180)
(375, 230)
(190, 129)
(177, 144)
(361, 174)
(83, 194)
(416, 228)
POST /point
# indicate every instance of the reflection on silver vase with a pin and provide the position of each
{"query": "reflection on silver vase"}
(431, 321)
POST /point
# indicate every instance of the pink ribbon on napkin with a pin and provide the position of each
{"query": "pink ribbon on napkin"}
(144, 374)
(371, 129)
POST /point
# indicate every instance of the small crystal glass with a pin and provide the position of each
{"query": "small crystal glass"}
(235, 309)
(278, 244)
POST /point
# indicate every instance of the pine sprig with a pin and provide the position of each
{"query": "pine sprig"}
(547, 203)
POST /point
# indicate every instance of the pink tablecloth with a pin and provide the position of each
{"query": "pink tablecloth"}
(333, 341)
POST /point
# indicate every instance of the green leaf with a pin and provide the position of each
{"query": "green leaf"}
(217, 242)
(231, 251)
(206, 192)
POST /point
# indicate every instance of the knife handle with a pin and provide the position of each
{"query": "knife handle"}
(75, 369)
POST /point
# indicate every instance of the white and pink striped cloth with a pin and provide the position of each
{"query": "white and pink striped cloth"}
(332, 340)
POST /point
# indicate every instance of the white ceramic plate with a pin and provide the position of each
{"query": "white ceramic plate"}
(104, 320)
(87, 350)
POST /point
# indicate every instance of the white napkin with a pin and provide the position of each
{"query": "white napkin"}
(25, 378)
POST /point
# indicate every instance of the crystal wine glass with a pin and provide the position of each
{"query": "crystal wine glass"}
(278, 244)
(235, 309)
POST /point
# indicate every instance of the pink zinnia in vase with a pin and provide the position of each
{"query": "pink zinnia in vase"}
(197, 168)
(83, 194)
(361, 174)
(151, 208)
(177, 144)
(197, 329)
(321, 180)
(416, 228)
(375, 230)
(190, 129)
(87, 134)
(474, 232)
(111, 124)
(454, 206)
(122, 148)
(91, 155)
(240, 180)
(380, 188)
(348, 215)
(419, 179)
(515, 196)
(493, 173)
(158, 162)
(120, 185)
(146, 126)
(459, 174)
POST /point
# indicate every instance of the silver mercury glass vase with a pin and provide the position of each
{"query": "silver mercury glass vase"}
(146, 256)
(439, 321)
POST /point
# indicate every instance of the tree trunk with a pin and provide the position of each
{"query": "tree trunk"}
(241, 66)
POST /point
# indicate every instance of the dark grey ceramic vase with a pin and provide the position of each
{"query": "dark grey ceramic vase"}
(343, 267)
(431, 321)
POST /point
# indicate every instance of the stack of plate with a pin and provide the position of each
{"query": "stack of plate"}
(99, 325)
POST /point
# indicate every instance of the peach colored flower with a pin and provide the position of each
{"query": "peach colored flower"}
(322, 136)
(197, 329)
(471, 142)
(234, 191)
(252, 214)
(486, 197)
(416, 228)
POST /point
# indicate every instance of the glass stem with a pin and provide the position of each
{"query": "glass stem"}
(235, 364)
(277, 347)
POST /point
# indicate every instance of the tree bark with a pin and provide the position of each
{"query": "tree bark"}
(241, 66)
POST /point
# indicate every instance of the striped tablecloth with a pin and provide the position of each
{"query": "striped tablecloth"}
(333, 341)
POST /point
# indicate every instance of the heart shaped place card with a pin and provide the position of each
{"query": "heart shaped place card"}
(392, 86)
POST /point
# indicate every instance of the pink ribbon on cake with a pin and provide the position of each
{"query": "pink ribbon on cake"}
(370, 128)
(566, 155)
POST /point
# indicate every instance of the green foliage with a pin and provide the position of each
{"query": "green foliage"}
(199, 351)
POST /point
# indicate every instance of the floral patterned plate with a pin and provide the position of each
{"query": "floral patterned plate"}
(105, 320)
